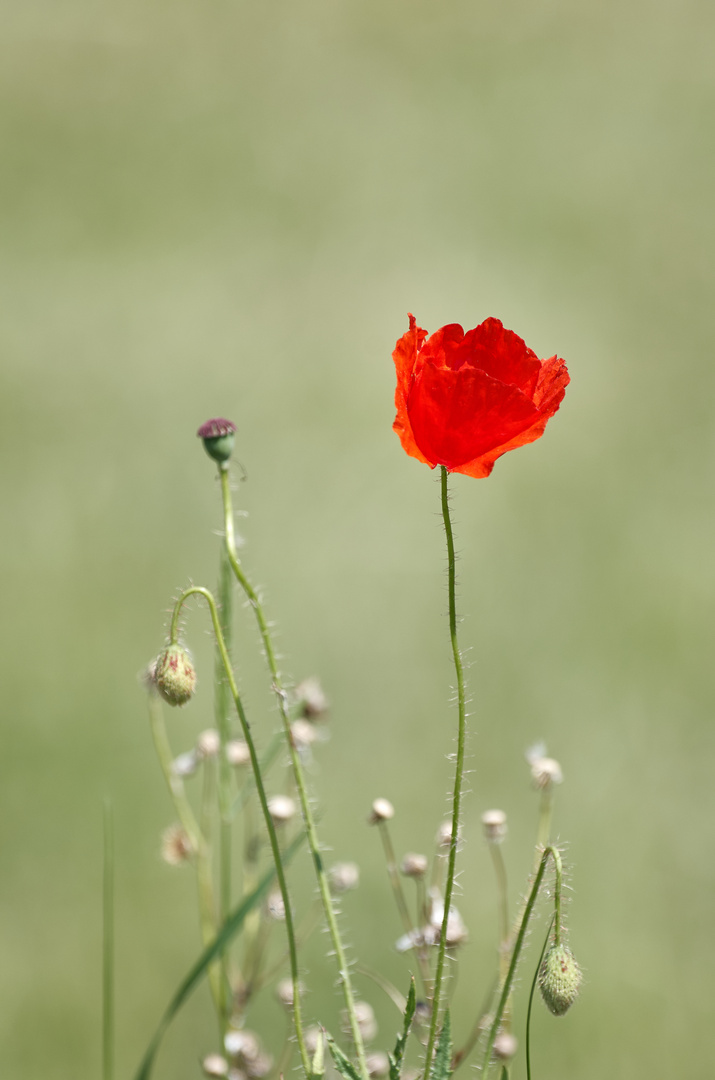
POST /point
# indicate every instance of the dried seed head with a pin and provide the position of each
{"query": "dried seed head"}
(495, 827)
(444, 835)
(208, 744)
(559, 979)
(284, 992)
(218, 438)
(237, 753)
(175, 677)
(505, 1046)
(310, 698)
(382, 810)
(282, 808)
(366, 1021)
(545, 772)
(343, 877)
(215, 1065)
(414, 866)
(175, 845)
(378, 1064)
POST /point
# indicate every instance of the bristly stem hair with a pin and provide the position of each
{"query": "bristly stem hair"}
(308, 819)
(458, 772)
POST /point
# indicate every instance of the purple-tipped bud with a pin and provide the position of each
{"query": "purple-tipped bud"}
(218, 438)
(175, 677)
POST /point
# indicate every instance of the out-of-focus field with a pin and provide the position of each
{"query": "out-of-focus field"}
(226, 208)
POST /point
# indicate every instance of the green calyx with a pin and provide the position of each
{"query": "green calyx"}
(559, 979)
(175, 677)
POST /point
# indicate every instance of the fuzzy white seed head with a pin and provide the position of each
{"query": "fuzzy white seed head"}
(382, 810)
(281, 808)
(495, 827)
(208, 744)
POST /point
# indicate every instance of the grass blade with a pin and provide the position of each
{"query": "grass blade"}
(229, 929)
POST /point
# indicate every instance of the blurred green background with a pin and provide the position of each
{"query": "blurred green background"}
(224, 208)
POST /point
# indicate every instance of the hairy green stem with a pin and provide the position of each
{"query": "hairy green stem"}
(308, 819)
(458, 772)
(506, 986)
(402, 903)
(222, 713)
(273, 838)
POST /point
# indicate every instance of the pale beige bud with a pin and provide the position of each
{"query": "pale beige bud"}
(366, 1021)
(382, 810)
(237, 753)
(208, 743)
(185, 765)
(281, 808)
(242, 1043)
(303, 733)
(414, 866)
(444, 835)
(275, 905)
(545, 772)
(214, 1065)
(313, 1035)
(311, 698)
(378, 1064)
(495, 827)
(343, 877)
(175, 845)
(505, 1046)
(284, 992)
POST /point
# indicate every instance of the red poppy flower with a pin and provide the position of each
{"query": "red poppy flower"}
(463, 400)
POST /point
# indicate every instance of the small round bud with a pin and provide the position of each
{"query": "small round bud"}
(241, 1043)
(237, 753)
(175, 677)
(444, 835)
(175, 845)
(259, 1066)
(456, 930)
(366, 1022)
(378, 1064)
(495, 827)
(414, 866)
(218, 438)
(303, 733)
(215, 1065)
(559, 979)
(281, 808)
(545, 772)
(505, 1046)
(185, 764)
(313, 1035)
(208, 744)
(382, 810)
(284, 992)
(343, 877)
(310, 698)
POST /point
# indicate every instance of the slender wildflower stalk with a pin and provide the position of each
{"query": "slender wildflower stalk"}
(506, 985)
(308, 819)
(458, 773)
(273, 838)
(399, 895)
(222, 713)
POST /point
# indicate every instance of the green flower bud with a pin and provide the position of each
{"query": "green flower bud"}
(218, 436)
(559, 979)
(175, 676)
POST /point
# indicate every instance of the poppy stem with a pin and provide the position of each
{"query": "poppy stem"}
(458, 774)
(307, 813)
(197, 590)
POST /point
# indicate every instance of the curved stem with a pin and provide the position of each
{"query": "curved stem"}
(275, 848)
(458, 773)
(308, 819)
(549, 852)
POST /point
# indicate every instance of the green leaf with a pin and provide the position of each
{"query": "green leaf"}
(317, 1066)
(343, 1064)
(442, 1064)
(399, 1052)
(230, 928)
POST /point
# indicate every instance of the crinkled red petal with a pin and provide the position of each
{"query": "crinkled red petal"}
(405, 357)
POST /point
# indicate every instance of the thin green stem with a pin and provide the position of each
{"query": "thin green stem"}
(273, 838)
(458, 773)
(108, 946)
(400, 899)
(222, 712)
(199, 845)
(506, 986)
(500, 871)
(308, 819)
(546, 811)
